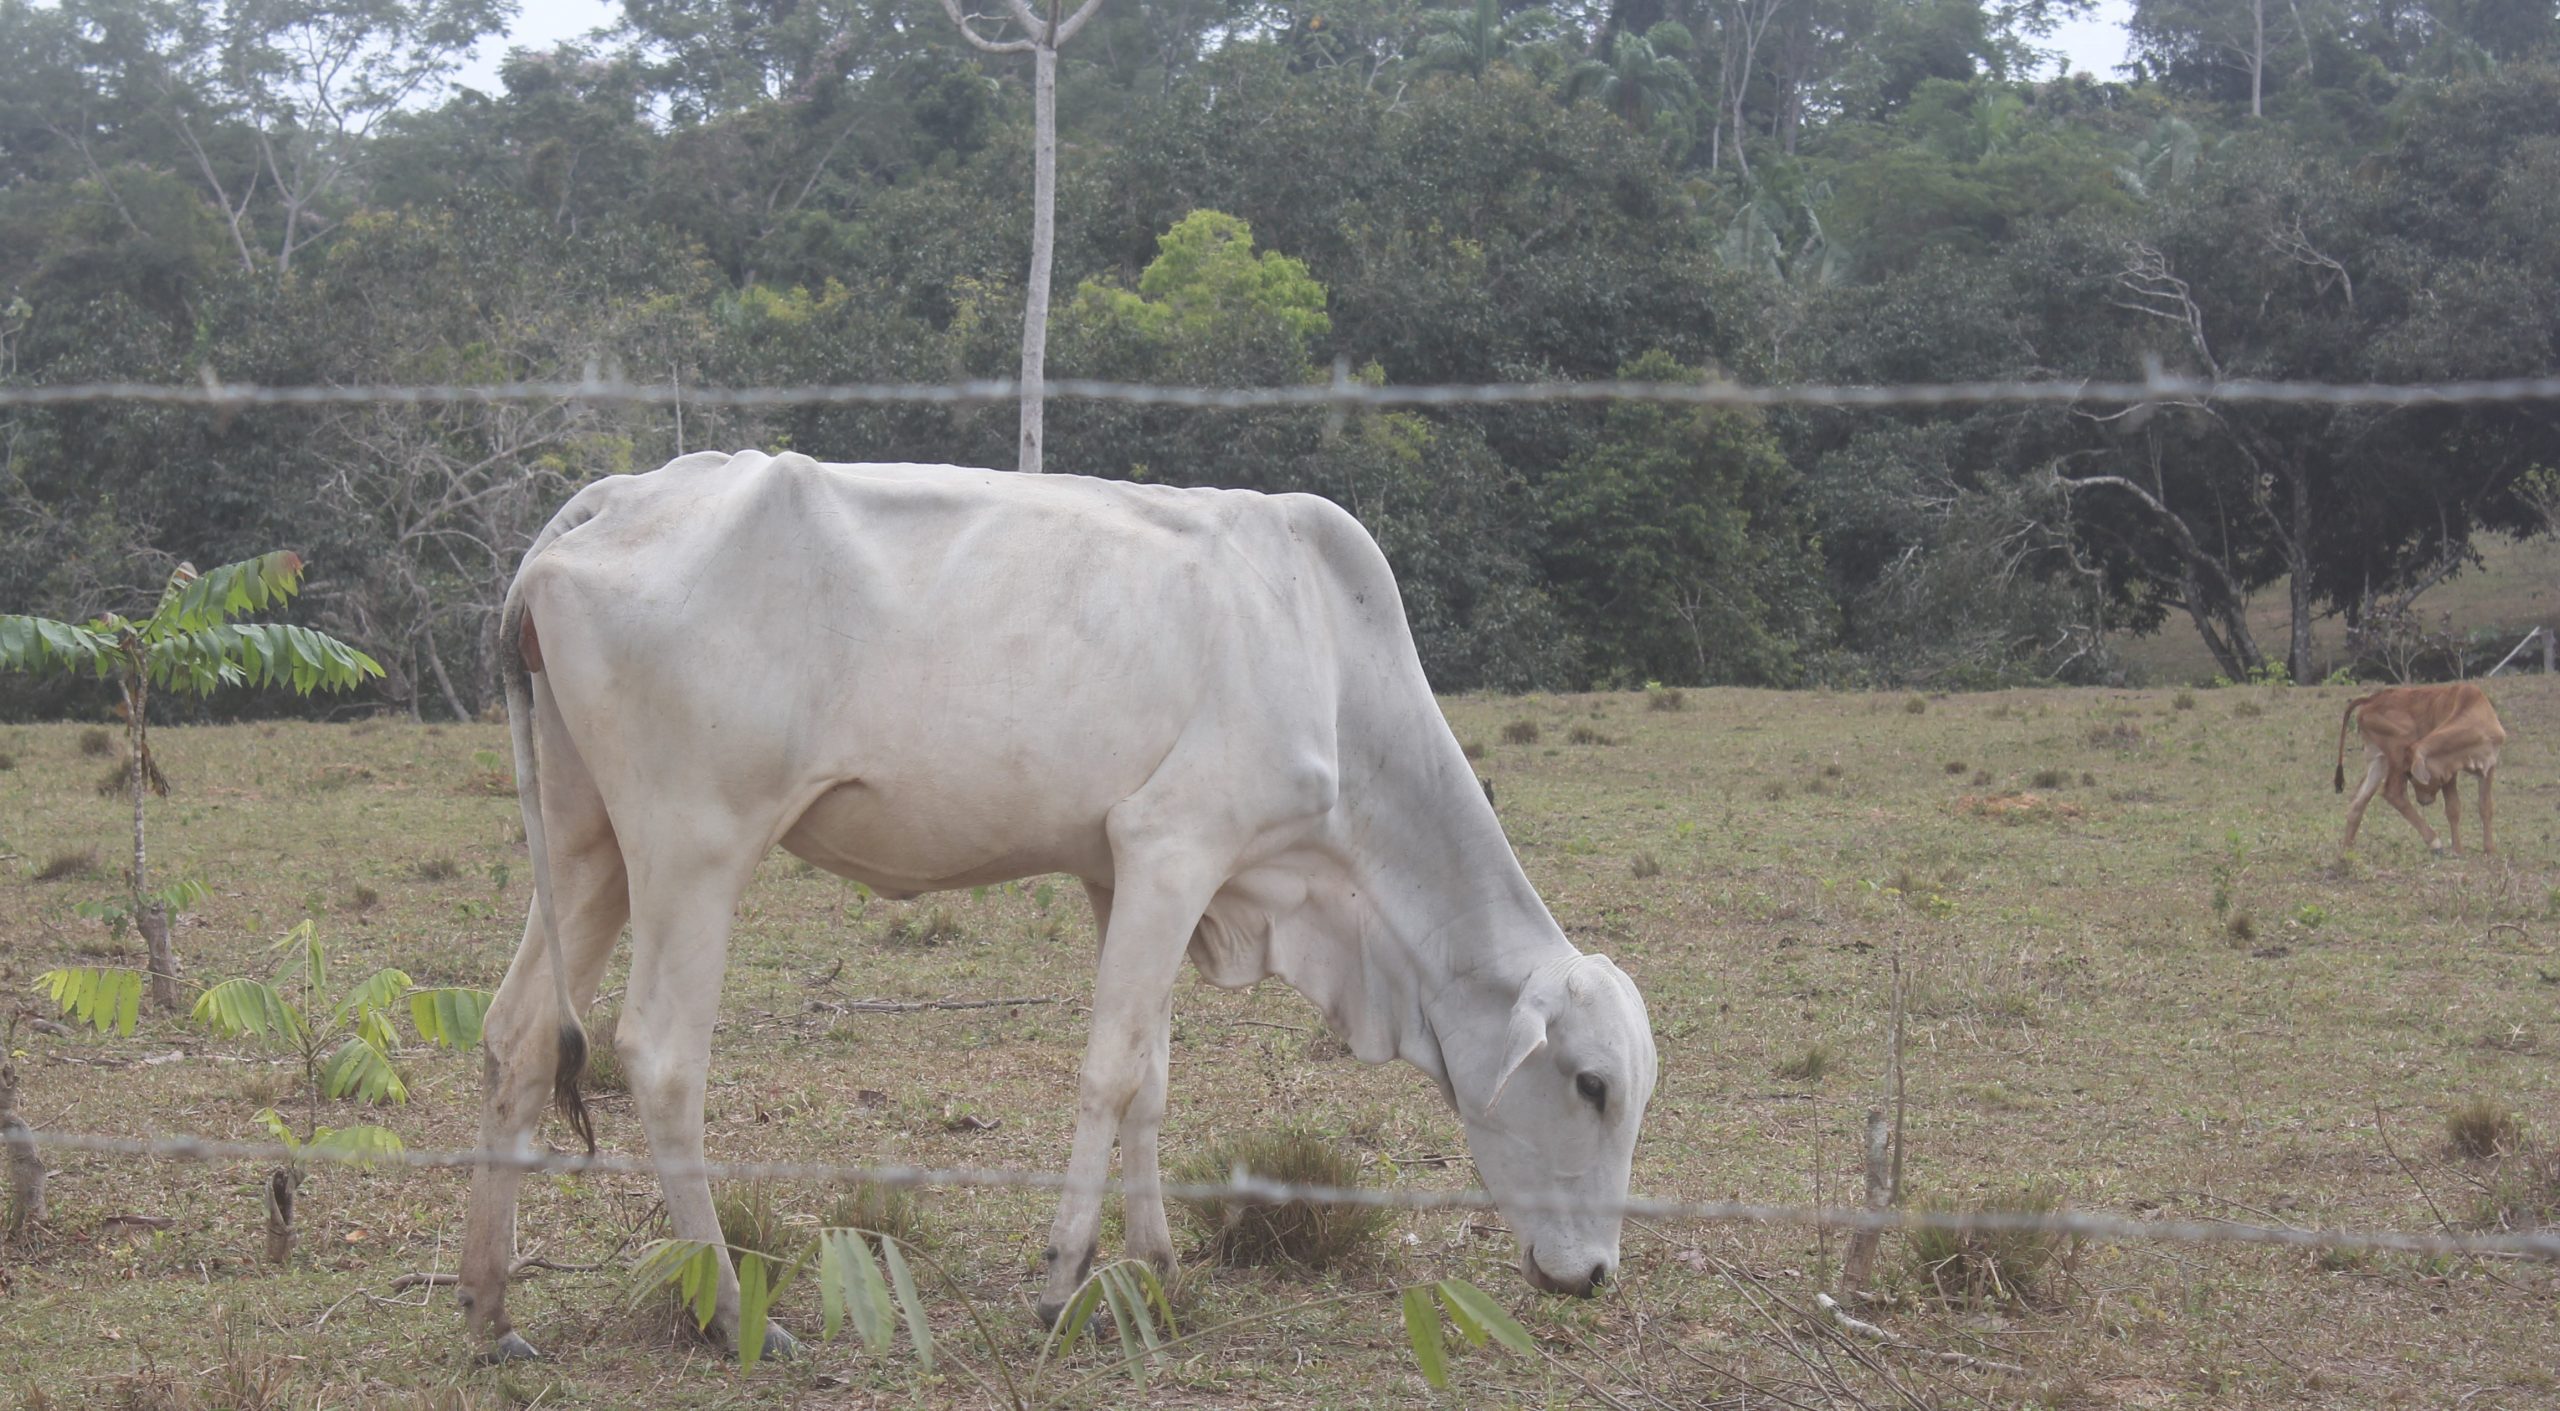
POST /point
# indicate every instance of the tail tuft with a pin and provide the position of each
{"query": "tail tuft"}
(564, 1083)
(2339, 783)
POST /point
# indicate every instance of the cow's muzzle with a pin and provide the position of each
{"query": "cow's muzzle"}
(1582, 1286)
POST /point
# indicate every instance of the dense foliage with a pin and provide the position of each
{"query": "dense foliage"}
(726, 192)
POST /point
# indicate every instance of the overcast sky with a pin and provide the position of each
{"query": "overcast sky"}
(2094, 44)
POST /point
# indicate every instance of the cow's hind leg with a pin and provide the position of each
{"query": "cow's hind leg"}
(521, 1035)
(2488, 839)
(686, 882)
(1154, 908)
(2453, 813)
(2374, 769)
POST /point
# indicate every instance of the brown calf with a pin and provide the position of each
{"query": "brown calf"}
(2428, 736)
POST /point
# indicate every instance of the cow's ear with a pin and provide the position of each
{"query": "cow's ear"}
(1526, 1034)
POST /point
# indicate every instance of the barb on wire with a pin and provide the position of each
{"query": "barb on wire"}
(1338, 394)
(1251, 1190)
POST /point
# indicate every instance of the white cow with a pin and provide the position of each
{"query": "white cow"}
(1203, 703)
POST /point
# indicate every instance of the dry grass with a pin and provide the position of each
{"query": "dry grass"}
(1645, 866)
(1520, 732)
(604, 1061)
(883, 1210)
(1293, 1232)
(1585, 735)
(2077, 1013)
(1665, 698)
(925, 927)
(96, 743)
(434, 870)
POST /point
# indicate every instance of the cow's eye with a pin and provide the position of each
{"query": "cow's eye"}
(1594, 1089)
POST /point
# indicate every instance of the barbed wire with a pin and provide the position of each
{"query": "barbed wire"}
(1245, 1188)
(1340, 394)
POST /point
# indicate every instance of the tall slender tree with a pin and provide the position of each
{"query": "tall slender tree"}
(1042, 36)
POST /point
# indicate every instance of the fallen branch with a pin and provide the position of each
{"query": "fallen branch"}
(1874, 1334)
(902, 1006)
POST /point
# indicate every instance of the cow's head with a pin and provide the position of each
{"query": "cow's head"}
(1552, 1094)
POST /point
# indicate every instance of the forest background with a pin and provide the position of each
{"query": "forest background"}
(780, 192)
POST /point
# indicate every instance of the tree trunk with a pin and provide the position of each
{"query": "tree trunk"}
(2298, 645)
(278, 1194)
(1044, 239)
(2257, 56)
(26, 1164)
(149, 917)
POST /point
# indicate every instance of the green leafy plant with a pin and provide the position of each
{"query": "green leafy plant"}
(188, 643)
(348, 1050)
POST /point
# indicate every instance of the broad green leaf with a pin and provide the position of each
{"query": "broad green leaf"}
(247, 1009)
(1488, 1315)
(1078, 1314)
(107, 998)
(451, 1017)
(1128, 1310)
(376, 993)
(692, 1266)
(362, 1143)
(919, 1331)
(1422, 1334)
(754, 1302)
(277, 1128)
(181, 896)
(42, 644)
(360, 1070)
(850, 1283)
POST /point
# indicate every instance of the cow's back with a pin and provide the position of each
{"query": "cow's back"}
(1010, 655)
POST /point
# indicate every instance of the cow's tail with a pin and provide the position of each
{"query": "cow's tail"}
(2338, 781)
(519, 651)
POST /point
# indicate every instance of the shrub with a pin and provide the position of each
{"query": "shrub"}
(1520, 732)
(96, 743)
(69, 864)
(2123, 735)
(1660, 697)
(1808, 1066)
(1473, 749)
(2008, 1267)
(1585, 735)
(8, 761)
(2247, 709)
(2048, 779)
(604, 1061)
(1832, 770)
(1646, 865)
(925, 928)
(750, 1221)
(435, 869)
(1982, 778)
(1915, 706)
(1957, 766)
(1293, 1232)
(361, 899)
(2184, 700)
(885, 1210)
(2522, 1191)
(116, 783)
(2242, 928)
(2484, 1127)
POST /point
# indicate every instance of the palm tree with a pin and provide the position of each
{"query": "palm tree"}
(1643, 78)
(1470, 40)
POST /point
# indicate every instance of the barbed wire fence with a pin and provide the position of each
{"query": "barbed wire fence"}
(604, 384)
(1244, 1188)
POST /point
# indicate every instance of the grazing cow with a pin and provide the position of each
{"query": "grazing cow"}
(1203, 703)
(2427, 736)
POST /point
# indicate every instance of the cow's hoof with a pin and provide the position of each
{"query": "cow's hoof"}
(779, 1346)
(509, 1348)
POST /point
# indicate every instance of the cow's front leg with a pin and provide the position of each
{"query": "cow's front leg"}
(2453, 813)
(1120, 1091)
(2396, 791)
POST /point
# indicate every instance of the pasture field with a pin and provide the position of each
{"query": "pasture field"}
(2139, 978)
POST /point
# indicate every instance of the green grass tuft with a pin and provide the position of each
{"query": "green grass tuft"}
(1295, 1232)
(2009, 1268)
(2483, 1127)
(1807, 1066)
